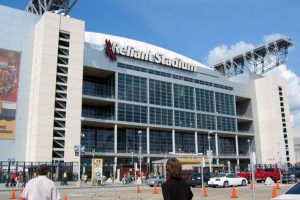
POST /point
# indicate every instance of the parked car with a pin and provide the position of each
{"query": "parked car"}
(261, 174)
(196, 179)
(291, 175)
(158, 180)
(293, 193)
(225, 180)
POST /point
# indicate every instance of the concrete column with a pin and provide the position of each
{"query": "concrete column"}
(173, 140)
(217, 144)
(148, 140)
(196, 142)
(116, 138)
(217, 147)
(237, 145)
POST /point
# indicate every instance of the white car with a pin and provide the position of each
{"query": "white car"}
(293, 193)
(225, 180)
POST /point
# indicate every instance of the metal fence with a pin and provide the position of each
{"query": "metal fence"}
(56, 170)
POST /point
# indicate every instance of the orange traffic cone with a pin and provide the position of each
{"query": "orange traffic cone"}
(65, 198)
(277, 185)
(20, 197)
(138, 190)
(13, 195)
(233, 193)
(251, 185)
(155, 189)
(274, 192)
(204, 191)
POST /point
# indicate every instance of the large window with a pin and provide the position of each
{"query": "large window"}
(225, 103)
(226, 124)
(132, 88)
(184, 119)
(227, 146)
(160, 142)
(205, 100)
(161, 116)
(160, 93)
(203, 146)
(205, 121)
(183, 97)
(129, 142)
(185, 142)
(97, 112)
(99, 139)
(132, 113)
(101, 87)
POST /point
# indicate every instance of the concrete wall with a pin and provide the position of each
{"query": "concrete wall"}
(17, 34)
(270, 121)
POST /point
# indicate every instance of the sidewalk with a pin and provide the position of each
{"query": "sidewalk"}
(72, 185)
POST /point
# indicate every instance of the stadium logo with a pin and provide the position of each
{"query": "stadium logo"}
(112, 49)
(109, 50)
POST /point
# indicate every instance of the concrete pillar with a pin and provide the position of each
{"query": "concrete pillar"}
(196, 142)
(217, 147)
(116, 138)
(237, 145)
(148, 140)
(173, 140)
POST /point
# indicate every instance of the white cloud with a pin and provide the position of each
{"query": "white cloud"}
(222, 52)
(272, 37)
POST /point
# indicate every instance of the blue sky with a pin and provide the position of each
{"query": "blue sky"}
(191, 27)
(200, 29)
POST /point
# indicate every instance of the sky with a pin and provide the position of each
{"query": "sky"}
(204, 30)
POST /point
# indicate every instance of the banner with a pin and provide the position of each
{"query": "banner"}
(97, 167)
(9, 73)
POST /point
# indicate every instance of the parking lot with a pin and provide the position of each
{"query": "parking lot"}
(129, 192)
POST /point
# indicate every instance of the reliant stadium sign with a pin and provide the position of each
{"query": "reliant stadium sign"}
(114, 48)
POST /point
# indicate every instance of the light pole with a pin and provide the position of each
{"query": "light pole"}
(210, 154)
(202, 166)
(132, 157)
(140, 153)
(249, 146)
(79, 178)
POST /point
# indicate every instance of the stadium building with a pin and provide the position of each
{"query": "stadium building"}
(62, 86)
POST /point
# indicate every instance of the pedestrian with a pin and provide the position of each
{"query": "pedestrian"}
(17, 180)
(25, 179)
(41, 188)
(85, 177)
(65, 178)
(12, 179)
(175, 188)
(7, 180)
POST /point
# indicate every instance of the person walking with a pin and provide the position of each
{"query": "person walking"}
(41, 188)
(24, 179)
(175, 188)
(17, 180)
(7, 180)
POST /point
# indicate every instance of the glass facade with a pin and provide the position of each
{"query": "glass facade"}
(97, 112)
(226, 124)
(99, 139)
(161, 116)
(128, 140)
(205, 121)
(132, 113)
(184, 119)
(227, 146)
(160, 93)
(132, 88)
(100, 87)
(203, 146)
(225, 103)
(205, 100)
(184, 142)
(160, 142)
(183, 97)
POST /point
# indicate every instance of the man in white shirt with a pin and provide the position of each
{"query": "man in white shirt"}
(41, 188)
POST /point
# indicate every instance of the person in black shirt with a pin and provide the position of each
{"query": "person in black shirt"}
(175, 188)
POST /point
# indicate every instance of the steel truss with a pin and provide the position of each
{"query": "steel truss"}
(41, 6)
(258, 60)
